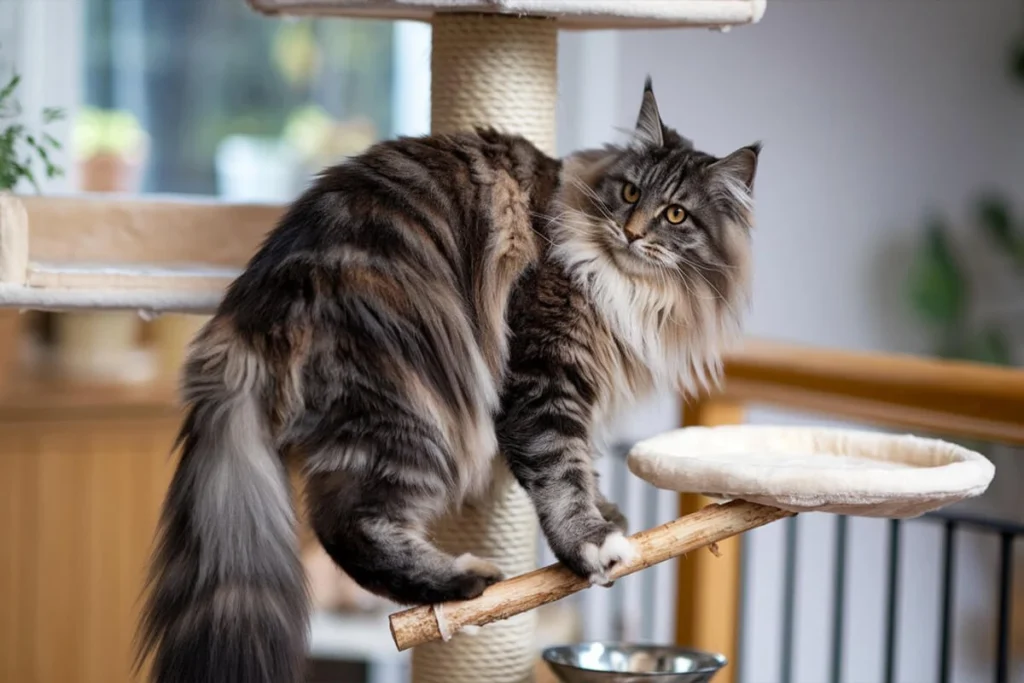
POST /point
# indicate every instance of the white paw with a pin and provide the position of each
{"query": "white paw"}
(615, 551)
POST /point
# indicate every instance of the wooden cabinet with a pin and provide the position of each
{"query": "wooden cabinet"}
(82, 476)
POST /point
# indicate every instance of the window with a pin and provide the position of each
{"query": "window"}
(210, 98)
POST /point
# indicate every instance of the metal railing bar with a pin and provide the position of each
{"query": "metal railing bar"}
(895, 528)
(948, 584)
(1005, 595)
(789, 602)
(839, 599)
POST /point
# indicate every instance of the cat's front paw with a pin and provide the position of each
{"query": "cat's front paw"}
(595, 554)
(602, 559)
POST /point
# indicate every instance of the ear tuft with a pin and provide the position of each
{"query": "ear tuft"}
(649, 129)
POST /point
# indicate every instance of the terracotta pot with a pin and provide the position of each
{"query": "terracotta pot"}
(110, 173)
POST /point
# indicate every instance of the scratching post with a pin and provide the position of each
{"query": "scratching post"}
(503, 529)
(496, 71)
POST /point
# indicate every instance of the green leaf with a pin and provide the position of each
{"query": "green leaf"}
(24, 171)
(52, 114)
(995, 219)
(11, 86)
(936, 284)
(1016, 62)
(992, 346)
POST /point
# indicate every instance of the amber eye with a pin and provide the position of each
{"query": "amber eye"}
(630, 193)
(675, 214)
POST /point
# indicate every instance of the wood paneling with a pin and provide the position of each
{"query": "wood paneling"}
(79, 501)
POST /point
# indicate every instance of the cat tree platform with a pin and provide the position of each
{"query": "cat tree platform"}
(102, 252)
(570, 14)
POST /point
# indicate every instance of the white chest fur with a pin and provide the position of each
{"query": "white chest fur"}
(672, 332)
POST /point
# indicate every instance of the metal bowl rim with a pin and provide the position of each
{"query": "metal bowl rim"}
(719, 659)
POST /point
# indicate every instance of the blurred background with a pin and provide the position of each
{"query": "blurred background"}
(890, 194)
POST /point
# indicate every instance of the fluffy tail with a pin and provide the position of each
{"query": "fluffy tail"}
(227, 600)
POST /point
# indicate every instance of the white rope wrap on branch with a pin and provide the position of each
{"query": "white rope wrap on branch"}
(500, 72)
(493, 70)
(502, 528)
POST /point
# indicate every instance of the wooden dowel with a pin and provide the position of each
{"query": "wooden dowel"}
(709, 525)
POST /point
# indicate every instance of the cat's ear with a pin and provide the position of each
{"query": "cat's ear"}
(650, 132)
(739, 168)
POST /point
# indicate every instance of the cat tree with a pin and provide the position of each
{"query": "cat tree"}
(493, 64)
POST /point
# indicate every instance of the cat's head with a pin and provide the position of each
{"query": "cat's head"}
(657, 209)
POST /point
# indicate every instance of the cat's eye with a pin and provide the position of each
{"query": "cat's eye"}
(630, 193)
(675, 214)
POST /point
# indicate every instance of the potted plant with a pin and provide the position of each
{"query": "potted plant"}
(110, 146)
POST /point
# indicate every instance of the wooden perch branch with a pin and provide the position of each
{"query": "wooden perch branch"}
(709, 525)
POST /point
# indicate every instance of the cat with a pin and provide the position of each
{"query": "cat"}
(421, 309)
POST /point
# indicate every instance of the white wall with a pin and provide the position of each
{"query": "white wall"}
(871, 114)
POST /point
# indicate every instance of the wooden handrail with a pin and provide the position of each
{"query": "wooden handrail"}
(925, 395)
(940, 396)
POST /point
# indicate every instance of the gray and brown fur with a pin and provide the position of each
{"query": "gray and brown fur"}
(423, 307)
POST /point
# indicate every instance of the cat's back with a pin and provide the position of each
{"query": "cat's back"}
(431, 231)
(434, 203)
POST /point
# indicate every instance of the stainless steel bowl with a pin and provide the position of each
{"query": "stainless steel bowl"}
(626, 663)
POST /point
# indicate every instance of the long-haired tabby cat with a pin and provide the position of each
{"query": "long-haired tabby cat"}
(422, 308)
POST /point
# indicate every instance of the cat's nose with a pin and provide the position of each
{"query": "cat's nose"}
(631, 235)
(634, 228)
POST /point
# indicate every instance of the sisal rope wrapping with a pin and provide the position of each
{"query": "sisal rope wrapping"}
(499, 72)
(502, 529)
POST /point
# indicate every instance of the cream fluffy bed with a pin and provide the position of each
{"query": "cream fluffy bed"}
(804, 469)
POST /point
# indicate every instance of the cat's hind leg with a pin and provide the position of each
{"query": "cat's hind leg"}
(375, 529)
